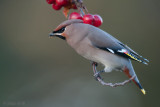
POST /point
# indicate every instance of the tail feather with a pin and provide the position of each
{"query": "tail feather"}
(130, 73)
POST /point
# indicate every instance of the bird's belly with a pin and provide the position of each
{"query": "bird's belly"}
(109, 60)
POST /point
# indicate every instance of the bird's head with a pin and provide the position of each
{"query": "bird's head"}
(61, 30)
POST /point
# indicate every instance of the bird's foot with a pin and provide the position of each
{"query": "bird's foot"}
(97, 75)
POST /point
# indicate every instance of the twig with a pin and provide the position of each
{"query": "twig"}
(109, 84)
(80, 6)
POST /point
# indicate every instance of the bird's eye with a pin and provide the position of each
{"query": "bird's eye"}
(62, 30)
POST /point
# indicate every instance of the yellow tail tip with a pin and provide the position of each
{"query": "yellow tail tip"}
(143, 91)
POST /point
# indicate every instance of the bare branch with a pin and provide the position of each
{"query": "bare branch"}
(109, 84)
(81, 7)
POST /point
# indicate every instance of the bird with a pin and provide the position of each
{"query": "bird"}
(99, 46)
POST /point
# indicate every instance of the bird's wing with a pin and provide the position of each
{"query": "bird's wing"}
(106, 42)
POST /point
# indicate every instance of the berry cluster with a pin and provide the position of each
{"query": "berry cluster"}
(94, 20)
(58, 4)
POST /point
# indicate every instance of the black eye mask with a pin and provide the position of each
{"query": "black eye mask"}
(60, 31)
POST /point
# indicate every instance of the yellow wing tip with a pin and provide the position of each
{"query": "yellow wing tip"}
(143, 91)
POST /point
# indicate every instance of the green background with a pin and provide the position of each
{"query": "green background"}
(36, 71)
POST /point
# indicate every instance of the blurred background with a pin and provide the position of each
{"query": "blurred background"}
(36, 71)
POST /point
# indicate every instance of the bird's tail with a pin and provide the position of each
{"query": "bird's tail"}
(130, 73)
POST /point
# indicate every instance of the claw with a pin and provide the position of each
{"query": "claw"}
(97, 75)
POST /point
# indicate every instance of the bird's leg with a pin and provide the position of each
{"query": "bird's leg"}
(98, 77)
(94, 64)
(96, 73)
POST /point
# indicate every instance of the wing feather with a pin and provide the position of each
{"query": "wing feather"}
(106, 42)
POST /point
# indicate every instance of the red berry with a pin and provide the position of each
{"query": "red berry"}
(62, 2)
(75, 15)
(56, 7)
(50, 1)
(97, 20)
(88, 19)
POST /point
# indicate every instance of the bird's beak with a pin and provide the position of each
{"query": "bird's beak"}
(54, 34)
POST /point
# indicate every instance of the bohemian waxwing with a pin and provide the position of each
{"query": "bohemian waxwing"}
(98, 46)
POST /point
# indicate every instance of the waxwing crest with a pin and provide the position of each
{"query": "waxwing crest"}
(68, 22)
(58, 32)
